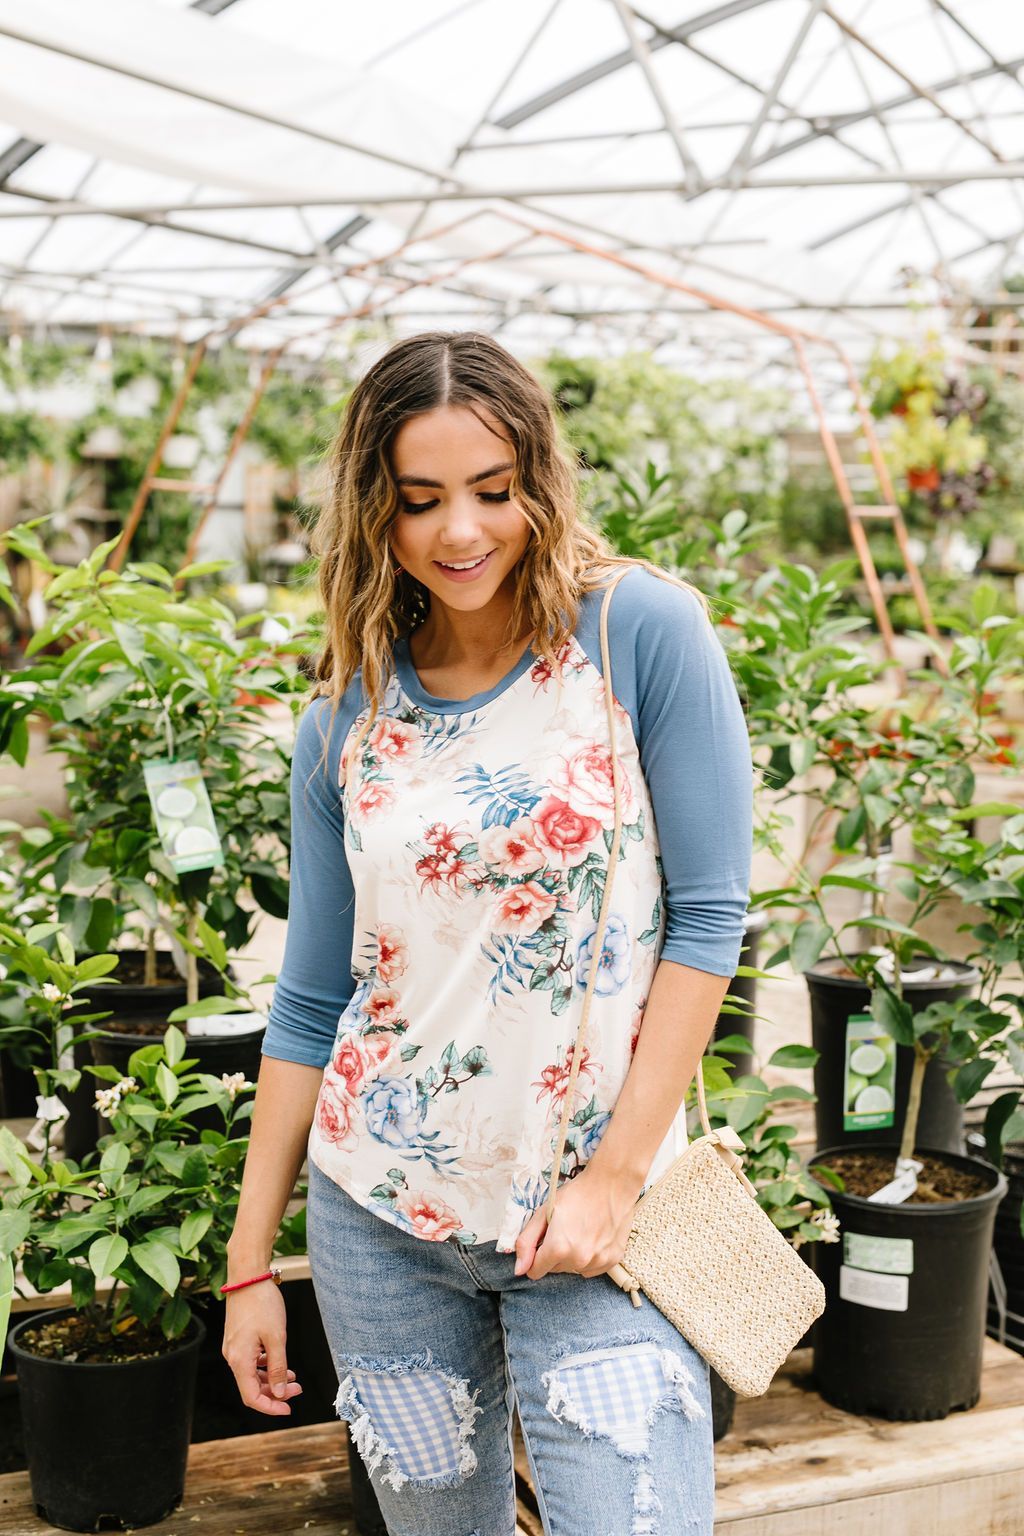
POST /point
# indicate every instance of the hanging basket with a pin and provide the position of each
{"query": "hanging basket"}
(924, 479)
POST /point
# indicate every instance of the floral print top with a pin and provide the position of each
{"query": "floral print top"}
(445, 891)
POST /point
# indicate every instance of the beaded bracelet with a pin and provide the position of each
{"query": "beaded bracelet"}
(273, 1273)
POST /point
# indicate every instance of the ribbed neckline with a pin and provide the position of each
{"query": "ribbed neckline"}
(411, 686)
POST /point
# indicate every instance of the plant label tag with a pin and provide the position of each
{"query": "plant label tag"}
(866, 1289)
(902, 1186)
(884, 1255)
(869, 1075)
(182, 814)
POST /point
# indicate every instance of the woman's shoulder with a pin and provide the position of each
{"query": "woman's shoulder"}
(646, 610)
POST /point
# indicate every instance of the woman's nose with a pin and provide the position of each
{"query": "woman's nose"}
(462, 524)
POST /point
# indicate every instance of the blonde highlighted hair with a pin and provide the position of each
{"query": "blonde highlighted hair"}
(367, 604)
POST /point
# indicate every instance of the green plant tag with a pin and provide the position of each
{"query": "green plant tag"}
(183, 815)
(883, 1255)
(869, 1076)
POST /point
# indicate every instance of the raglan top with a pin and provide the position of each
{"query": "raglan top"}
(445, 889)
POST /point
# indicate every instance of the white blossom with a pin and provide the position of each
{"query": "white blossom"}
(50, 1108)
(107, 1100)
(828, 1221)
(233, 1083)
(52, 993)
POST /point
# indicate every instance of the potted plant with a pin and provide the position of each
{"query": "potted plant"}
(798, 1204)
(106, 1383)
(148, 676)
(908, 770)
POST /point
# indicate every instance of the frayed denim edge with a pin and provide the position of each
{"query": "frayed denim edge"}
(375, 1450)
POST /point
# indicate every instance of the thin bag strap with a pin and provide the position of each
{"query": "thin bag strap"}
(595, 956)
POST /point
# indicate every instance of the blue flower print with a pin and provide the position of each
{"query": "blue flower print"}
(394, 1111)
(615, 962)
(591, 1134)
(352, 1014)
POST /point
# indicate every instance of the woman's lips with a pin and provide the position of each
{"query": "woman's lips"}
(467, 575)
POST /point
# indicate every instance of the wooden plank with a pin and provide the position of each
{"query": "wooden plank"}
(975, 1506)
(289, 1481)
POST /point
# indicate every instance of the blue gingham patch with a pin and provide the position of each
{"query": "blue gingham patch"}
(613, 1390)
(413, 1414)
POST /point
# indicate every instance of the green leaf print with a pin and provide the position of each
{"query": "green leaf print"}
(408, 1052)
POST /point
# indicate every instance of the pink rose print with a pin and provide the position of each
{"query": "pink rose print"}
(522, 908)
(378, 1045)
(371, 799)
(511, 850)
(554, 1079)
(428, 1215)
(395, 741)
(585, 780)
(562, 833)
(392, 952)
(382, 1005)
(351, 1062)
(334, 1112)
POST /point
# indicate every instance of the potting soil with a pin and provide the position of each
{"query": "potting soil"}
(864, 1172)
(76, 1338)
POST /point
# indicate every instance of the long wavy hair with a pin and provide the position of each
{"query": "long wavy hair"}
(367, 604)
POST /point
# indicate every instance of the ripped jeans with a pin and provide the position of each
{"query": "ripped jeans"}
(436, 1342)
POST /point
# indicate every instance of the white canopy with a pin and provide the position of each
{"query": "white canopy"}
(169, 166)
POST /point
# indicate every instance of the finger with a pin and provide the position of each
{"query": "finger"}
(528, 1242)
(277, 1366)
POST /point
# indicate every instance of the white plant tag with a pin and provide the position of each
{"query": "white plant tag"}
(902, 1186)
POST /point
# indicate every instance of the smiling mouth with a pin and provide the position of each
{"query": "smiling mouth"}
(464, 565)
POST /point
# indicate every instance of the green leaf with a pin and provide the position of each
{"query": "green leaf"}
(174, 1045)
(106, 1254)
(208, 1005)
(196, 1171)
(793, 1056)
(157, 1261)
(114, 1163)
(195, 1226)
(850, 830)
(894, 1014)
(167, 1084)
(808, 941)
(174, 1317)
(14, 1228)
(213, 944)
(97, 965)
(801, 753)
(970, 1078)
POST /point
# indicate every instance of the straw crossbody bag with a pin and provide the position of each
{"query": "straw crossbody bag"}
(700, 1246)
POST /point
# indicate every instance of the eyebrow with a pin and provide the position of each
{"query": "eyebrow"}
(485, 474)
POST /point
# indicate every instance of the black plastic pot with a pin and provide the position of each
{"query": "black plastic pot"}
(107, 1444)
(131, 999)
(899, 1344)
(834, 998)
(746, 988)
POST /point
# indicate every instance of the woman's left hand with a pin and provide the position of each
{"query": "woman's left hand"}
(587, 1233)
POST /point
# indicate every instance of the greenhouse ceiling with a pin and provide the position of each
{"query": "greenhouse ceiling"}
(573, 173)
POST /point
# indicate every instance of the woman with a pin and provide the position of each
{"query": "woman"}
(452, 805)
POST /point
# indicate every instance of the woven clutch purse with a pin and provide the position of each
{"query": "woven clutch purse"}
(700, 1247)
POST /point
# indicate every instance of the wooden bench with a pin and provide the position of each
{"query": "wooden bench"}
(790, 1466)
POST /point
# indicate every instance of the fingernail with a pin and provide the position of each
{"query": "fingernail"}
(278, 1389)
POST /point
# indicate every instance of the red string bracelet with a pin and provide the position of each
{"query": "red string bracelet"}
(273, 1273)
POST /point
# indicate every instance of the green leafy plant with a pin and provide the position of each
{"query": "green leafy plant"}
(872, 773)
(797, 1205)
(130, 669)
(153, 1215)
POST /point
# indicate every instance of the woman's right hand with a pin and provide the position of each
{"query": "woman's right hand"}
(254, 1347)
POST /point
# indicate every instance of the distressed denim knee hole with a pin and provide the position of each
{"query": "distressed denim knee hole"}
(615, 1393)
(411, 1419)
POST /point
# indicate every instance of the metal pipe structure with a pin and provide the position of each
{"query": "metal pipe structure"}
(799, 337)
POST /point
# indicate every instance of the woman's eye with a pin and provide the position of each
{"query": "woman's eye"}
(427, 506)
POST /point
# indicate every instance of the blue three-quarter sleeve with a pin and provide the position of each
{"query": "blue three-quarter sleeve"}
(315, 981)
(671, 673)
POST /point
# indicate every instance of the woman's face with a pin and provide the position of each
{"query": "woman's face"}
(456, 530)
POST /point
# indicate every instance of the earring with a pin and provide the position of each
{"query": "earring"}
(396, 570)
